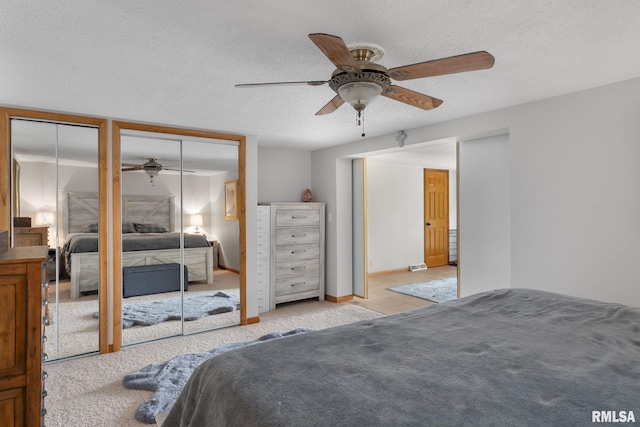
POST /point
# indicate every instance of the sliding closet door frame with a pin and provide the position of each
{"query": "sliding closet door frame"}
(6, 114)
(116, 128)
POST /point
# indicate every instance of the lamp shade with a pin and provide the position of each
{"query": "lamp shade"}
(196, 220)
(44, 218)
(359, 94)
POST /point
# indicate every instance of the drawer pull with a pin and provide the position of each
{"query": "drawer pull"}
(45, 284)
(45, 357)
(299, 217)
(45, 320)
(44, 393)
(43, 412)
(44, 338)
(45, 375)
(299, 283)
(45, 301)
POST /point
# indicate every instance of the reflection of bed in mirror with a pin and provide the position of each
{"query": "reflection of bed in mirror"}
(146, 239)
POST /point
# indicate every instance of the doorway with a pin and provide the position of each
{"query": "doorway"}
(392, 219)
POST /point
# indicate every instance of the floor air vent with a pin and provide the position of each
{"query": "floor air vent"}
(417, 267)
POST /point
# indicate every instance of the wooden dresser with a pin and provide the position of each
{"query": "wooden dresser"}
(31, 236)
(23, 297)
(297, 252)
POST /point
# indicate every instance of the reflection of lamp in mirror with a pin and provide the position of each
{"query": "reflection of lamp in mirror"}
(196, 221)
(46, 219)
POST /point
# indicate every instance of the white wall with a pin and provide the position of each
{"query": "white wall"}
(226, 232)
(284, 175)
(485, 215)
(453, 200)
(396, 216)
(575, 204)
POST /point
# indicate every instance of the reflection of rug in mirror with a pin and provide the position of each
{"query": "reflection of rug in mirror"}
(440, 290)
(154, 312)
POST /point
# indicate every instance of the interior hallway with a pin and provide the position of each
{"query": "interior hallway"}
(389, 302)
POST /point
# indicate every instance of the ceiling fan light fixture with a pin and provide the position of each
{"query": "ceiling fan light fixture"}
(360, 89)
(152, 172)
(359, 94)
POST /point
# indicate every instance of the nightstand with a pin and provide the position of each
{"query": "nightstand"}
(215, 253)
(52, 264)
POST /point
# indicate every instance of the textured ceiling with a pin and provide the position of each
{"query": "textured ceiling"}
(176, 63)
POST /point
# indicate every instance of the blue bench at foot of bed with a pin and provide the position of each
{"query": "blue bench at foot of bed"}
(152, 279)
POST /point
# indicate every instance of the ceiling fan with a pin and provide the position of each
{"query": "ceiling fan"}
(358, 80)
(151, 167)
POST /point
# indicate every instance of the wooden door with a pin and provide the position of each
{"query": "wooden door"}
(436, 217)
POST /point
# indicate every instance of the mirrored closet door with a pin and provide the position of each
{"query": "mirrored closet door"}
(180, 257)
(53, 166)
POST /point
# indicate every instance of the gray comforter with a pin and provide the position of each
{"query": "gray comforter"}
(506, 357)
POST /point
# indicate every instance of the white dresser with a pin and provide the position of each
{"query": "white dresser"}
(264, 261)
(297, 252)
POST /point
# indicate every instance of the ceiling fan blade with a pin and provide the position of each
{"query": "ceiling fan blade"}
(131, 169)
(331, 106)
(309, 83)
(178, 170)
(337, 52)
(438, 67)
(415, 99)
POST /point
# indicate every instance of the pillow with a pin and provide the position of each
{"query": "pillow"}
(150, 228)
(128, 227)
(91, 228)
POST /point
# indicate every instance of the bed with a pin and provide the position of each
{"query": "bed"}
(505, 357)
(146, 239)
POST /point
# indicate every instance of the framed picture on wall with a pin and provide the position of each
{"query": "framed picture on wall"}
(231, 200)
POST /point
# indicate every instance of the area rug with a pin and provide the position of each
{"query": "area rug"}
(154, 312)
(168, 379)
(440, 290)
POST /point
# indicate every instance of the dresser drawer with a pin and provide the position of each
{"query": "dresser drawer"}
(297, 268)
(295, 252)
(291, 235)
(287, 217)
(295, 285)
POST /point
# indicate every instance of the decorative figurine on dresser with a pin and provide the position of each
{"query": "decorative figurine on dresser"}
(297, 252)
(23, 297)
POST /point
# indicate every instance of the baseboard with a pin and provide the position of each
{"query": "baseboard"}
(233, 270)
(386, 272)
(252, 320)
(338, 300)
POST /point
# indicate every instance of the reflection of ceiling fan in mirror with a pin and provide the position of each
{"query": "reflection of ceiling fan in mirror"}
(151, 168)
(358, 80)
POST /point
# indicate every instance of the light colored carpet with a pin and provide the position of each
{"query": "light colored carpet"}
(88, 391)
(74, 331)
